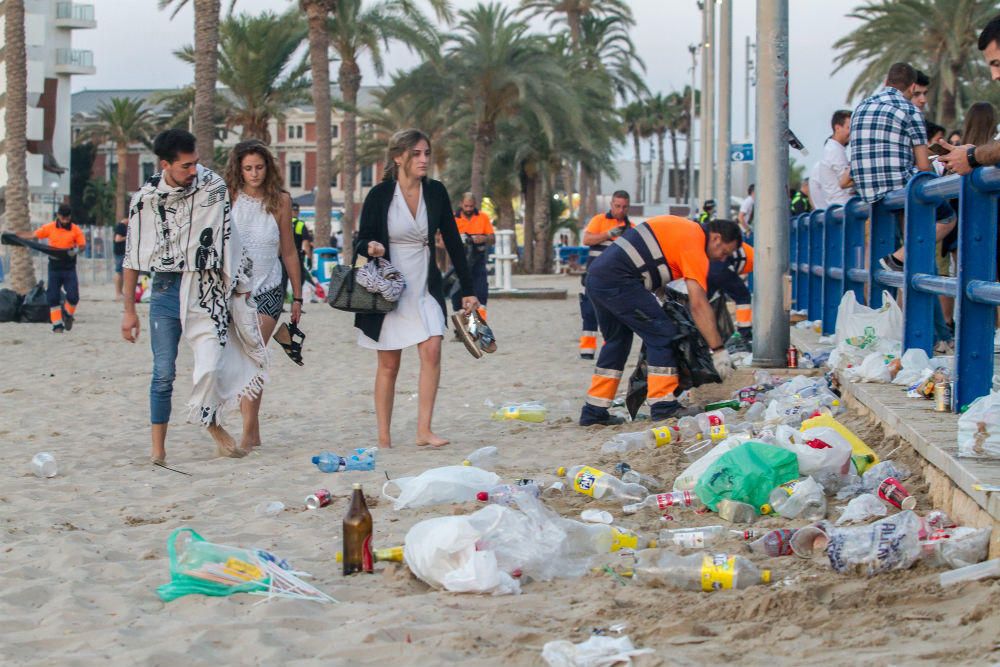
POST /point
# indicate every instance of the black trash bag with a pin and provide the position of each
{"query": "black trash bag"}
(10, 305)
(36, 306)
(692, 354)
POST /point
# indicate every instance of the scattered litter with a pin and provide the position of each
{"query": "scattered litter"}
(861, 509)
(533, 411)
(597, 651)
(272, 508)
(986, 570)
(44, 464)
(450, 484)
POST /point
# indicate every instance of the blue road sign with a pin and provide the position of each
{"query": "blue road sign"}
(741, 152)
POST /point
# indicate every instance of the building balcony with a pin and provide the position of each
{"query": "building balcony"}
(74, 15)
(75, 61)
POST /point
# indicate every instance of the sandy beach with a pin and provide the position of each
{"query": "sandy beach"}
(81, 554)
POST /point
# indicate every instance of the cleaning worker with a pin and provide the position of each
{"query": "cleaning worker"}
(600, 233)
(62, 234)
(620, 284)
(477, 231)
(707, 212)
(727, 277)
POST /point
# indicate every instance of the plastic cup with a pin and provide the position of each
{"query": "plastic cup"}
(807, 541)
(43, 464)
(697, 450)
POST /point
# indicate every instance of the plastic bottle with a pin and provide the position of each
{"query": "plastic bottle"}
(735, 511)
(688, 427)
(272, 508)
(989, 569)
(755, 413)
(664, 500)
(394, 554)
(631, 476)
(799, 499)
(44, 464)
(484, 457)
(693, 538)
(595, 483)
(503, 494)
(328, 462)
(639, 440)
(600, 538)
(774, 543)
(718, 405)
(526, 412)
(698, 572)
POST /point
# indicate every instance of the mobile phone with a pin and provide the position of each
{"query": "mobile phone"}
(938, 149)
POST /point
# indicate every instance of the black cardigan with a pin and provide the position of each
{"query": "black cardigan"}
(374, 226)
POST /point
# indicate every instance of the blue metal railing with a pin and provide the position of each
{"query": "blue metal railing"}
(829, 256)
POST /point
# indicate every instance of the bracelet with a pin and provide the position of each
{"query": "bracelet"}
(971, 156)
(297, 299)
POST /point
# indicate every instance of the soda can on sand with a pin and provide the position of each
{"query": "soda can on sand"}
(942, 396)
(320, 498)
(892, 492)
(793, 356)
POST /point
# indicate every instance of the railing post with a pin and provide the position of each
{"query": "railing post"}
(977, 242)
(816, 265)
(793, 260)
(803, 256)
(833, 256)
(919, 240)
(883, 242)
(854, 247)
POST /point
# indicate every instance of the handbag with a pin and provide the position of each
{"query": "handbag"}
(345, 294)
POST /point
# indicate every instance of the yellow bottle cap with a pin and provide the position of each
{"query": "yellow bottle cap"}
(467, 462)
(339, 556)
(653, 544)
(765, 576)
(766, 508)
(561, 471)
(836, 401)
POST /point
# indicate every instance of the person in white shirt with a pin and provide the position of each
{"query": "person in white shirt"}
(745, 216)
(833, 175)
(816, 195)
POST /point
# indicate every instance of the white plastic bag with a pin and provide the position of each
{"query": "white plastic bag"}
(687, 480)
(816, 459)
(963, 546)
(861, 509)
(892, 543)
(914, 361)
(874, 368)
(861, 323)
(450, 484)
(979, 428)
(597, 651)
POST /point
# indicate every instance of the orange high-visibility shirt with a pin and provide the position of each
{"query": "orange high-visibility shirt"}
(602, 224)
(59, 238)
(479, 223)
(682, 242)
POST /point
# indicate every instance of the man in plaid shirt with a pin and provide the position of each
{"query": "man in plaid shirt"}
(889, 146)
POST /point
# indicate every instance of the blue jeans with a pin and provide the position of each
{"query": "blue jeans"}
(164, 335)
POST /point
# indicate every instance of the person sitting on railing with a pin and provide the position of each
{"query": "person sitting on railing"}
(889, 146)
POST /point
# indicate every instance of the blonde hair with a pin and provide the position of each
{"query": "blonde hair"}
(399, 144)
(273, 186)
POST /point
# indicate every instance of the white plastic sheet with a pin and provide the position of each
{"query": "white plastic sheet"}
(979, 428)
(450, 484)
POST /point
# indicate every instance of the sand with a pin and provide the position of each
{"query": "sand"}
(83, 553)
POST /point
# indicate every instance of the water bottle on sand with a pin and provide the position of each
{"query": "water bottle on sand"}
(698, 572)
(693, 538)
(650, 439)
(484, 457)
(595, 483)
(799, 499)
(503, 494)
(526, 412)
(662, 501)
(328, 462)
(775, 543)
(43, 464)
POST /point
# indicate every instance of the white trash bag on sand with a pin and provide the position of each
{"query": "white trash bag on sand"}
(832, 455)
(979, 428)
(597, 651)
(450, 484)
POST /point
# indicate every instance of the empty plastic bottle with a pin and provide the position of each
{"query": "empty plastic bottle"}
(799, 499)
(698, 572)
(329, 462)
(649, 439)
(694, 538)
(484, 457)
(526, 412)
(688, 428)
(774, 543)
(44, 464)
(755, 413)
(503, 494)
(735, 511)
(664, 500)
(593, 482)
(632, 476)
(600, 538)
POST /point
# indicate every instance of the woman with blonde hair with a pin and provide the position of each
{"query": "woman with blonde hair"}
(262, 215)
(399, 221)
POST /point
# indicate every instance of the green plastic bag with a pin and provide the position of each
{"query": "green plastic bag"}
(747, 474)
(202, 567)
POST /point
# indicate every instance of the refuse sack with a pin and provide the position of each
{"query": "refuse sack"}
(35, 307)
(892, 543)
(747, 474)
(691, 354)
(10, 305)
(819, 450)
(979, 428)
(450, 484)
(861, 327)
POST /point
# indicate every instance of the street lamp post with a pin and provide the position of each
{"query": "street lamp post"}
(55, 186)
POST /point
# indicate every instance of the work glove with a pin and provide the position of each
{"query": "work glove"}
(723, 364)
(615, 232)
(73, 252)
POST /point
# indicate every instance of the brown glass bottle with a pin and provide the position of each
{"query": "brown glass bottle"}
(358, 535)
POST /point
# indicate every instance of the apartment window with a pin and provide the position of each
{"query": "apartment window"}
(366, 176)
(295, 174)
(296, 131)
(333, 181)
(148, 169)
(334, 131)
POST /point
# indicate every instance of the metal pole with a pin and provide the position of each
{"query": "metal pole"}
(771, 217)
(705, 175)
(746, 92)
(723, 167)
(690, 134)
(703, 98)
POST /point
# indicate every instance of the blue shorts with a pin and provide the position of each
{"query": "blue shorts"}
(118, 263)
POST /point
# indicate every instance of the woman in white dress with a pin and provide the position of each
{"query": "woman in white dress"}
(262, 215)
(399, 220)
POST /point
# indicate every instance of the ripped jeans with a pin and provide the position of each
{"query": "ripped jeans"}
(164, 335)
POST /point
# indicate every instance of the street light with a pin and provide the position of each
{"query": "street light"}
(55, 186)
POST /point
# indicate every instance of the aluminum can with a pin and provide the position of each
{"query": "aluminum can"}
(320, 498)
(942, 396)
(792, 356)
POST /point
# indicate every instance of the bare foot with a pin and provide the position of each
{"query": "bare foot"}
(225, 445)
(385, 445)
(431, 439)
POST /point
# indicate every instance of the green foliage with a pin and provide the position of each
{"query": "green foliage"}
(99, 201)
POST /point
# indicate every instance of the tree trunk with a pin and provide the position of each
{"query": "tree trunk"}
(505, 212)
(206, 68)
(659, 168)
(482, 139)
(569, 172)
(687, 166)
(676, 177)
(121, 179)
(317, 12)
(573, 18)
(543, 222)
(583, 211)
(350, 82)
(636, 145)
(595, 189)
(22, 271)
(530, 205)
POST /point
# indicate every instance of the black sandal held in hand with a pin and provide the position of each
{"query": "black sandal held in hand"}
(290, 338)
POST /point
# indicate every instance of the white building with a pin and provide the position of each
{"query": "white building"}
(52, 60)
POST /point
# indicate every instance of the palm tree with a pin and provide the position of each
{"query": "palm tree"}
(206, 45)
(636, 124)
(936, 36)
(317, 15)
(22, 272)
(356, 30)
(262, 82)
(572, 12)
(677, 120)
(122, 121)
(686, 128)
(99, 197)
(657, 111)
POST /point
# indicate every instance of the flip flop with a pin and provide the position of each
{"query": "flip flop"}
(290, 338)
(474, 333)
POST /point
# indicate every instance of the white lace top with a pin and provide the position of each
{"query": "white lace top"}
(259, 232)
